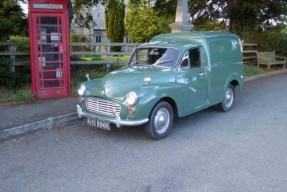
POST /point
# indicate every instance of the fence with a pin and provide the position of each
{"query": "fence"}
(78, 50)
(99, 49)
(250, 53)
(102, 49)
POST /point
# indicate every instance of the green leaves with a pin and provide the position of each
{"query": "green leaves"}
(114, 18)
(7, 76)
(11, 18)
(240, 16)
(142, 23)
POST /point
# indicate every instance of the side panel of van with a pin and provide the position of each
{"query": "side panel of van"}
(225, 60)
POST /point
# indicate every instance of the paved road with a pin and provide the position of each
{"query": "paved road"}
(243, 150)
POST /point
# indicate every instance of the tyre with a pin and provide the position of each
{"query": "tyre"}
(229, 97)
(161, 121)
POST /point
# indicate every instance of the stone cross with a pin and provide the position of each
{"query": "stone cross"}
(181, 18)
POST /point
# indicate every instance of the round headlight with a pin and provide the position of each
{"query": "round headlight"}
(131, 98)
(81, 90)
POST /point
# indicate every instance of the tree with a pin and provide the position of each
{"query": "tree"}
(165, 8)
(241, 16)
(273, 38)
(11, 19)
(114, 18)
(80, 10)
(165, 11)
(141, 21)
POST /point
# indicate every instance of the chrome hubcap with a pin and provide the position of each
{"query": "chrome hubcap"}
(161, 120)
(228, 98)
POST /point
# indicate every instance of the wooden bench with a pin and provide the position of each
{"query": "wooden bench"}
(269, 58)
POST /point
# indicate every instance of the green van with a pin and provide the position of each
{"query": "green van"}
(173, 75)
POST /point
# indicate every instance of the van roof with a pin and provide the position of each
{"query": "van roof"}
(185, 40)
(172, 43)
(181, 36)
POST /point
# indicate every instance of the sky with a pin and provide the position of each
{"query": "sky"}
(24, 7)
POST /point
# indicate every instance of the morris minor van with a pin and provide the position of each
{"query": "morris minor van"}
(174, 75)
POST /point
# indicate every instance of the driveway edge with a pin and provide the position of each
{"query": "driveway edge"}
(49, 123)
(265, 75)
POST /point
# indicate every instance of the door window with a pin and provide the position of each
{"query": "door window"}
(194, 58)
(191, 59)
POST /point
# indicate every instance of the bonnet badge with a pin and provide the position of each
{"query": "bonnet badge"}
(103, 92)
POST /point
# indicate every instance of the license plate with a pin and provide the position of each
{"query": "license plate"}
(99, 124)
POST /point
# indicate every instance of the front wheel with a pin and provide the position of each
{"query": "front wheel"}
(228, 102)
(161, 121)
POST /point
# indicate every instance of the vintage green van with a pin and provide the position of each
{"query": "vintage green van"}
(173, 75)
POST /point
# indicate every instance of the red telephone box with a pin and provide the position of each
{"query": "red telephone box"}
(49, 48)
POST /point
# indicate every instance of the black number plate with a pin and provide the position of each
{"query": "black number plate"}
(99, 124)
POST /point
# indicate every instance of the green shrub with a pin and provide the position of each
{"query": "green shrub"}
(273, 40)
(20, 39)
(8, 78)
(23, 94)
(23, 75)
(79, 75)
(3, 47)
(78, 38)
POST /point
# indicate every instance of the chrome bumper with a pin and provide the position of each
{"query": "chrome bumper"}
(116, 120)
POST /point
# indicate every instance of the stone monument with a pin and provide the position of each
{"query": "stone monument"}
(181, 18)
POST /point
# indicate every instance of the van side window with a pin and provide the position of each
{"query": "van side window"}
(194, 58)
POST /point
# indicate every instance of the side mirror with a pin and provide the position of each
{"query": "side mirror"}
(88, 76)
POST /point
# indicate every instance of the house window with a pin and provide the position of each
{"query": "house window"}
(98, 37)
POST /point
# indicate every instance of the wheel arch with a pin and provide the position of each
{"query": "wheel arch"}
(234, 80)
(235, 83)
(170, 101)
(172, 104)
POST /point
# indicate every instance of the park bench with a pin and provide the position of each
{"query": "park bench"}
(269, 58)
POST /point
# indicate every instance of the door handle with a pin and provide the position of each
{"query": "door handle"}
(201, 74)
(194, 78)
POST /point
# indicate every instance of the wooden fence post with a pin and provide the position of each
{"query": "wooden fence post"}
(108, 57)
(12, 49)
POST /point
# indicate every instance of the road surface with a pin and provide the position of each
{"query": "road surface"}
(209, 151)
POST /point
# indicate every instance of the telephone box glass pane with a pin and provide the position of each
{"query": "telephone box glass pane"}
(50, 52)
(50, 20)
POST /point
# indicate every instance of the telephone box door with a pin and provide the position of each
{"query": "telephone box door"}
(51, 55)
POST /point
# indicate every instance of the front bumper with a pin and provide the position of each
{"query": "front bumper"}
(115, 120)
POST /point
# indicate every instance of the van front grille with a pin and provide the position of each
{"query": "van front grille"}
(105, 107)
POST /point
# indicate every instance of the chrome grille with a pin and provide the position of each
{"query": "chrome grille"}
(102, 106)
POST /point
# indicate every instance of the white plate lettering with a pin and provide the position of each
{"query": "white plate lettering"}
(99, 124)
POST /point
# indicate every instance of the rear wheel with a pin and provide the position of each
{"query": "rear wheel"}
(161, 121)
(228, 102)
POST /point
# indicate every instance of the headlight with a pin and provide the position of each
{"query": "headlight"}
(131, 98)
(81, 90)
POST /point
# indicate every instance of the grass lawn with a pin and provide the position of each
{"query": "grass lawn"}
(250, 70)
(102, 58)
(23, 94)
